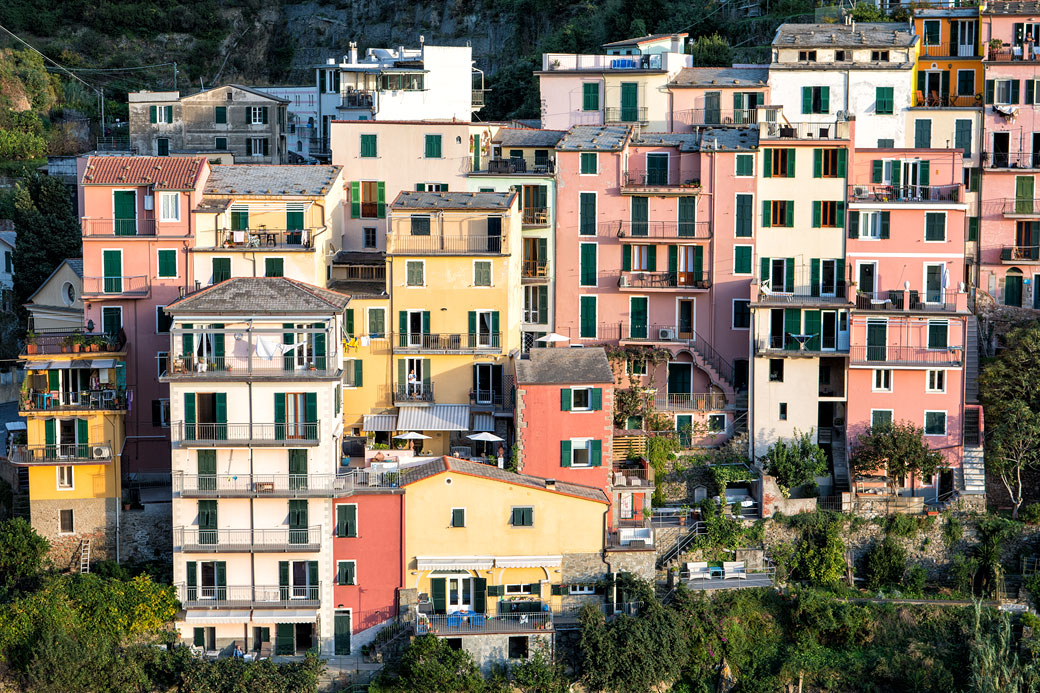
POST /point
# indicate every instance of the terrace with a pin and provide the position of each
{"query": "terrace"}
(775, 130)
(472, 623)
(898, 355)
(199, 434)
(283, 485)
(282, 540)
(248, 596)
(656, 182)
(448, 343)
(73, 341)
(263, 238)
(69, 454)
(438, 244)
(911, 300)
(116, 286)
(655, 231)
(917, 194)
(214, 353)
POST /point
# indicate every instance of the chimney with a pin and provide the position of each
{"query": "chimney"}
(550, 483)
(353, 52)
(180, 291)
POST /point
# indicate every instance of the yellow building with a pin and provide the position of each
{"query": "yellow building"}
(74, 399)
(948, 71)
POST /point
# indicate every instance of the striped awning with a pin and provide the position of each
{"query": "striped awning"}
(483, 422)
(439, 417)
(454, 562)
(528, 561)
(285, 615)
(380, 422)
(217, 616)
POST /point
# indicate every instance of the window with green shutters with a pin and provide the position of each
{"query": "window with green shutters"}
(590, 96)
(482, 273)
(687, 217)
(220, 115)
(884, 101)
(742, 259)
(433, 146)
(298, 530)
(973, 228)
(587, 214)
(589, 163)
(112, 266)
(745, 164)
(938, 334)
(274, 267)
(816, 99)
(167, 263)
(745, 216)
(522, 516)
(369, 148)
(587, 317)
(923, 133)
(111, 319)
(880, 418)
(934, 226)
(346, 520)
(962, 137)
(640, 215)
(221, 269)
(414, 271)
(458, 517)
(588, 273)
(346, 572)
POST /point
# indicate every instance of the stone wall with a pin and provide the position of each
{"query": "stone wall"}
(92, 518)
(638, 562)
(772, 501)
(490, 651)
(146, 535)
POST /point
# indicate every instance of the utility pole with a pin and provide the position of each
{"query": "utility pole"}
(175, 76)
(102, 93)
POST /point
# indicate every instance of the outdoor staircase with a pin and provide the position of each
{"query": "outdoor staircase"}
(971, 361)
(719, 370)
(84, 556)
(973, 471)
(842, 479)
(682, 543)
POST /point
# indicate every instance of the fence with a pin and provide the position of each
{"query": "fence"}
(461, 623)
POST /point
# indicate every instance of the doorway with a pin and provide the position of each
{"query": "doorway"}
(686, 319)
(1001, 149)
(867, 271)
(680, 381)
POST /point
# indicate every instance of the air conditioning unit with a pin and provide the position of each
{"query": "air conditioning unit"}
(100, 452)
(860, 191)
(666, 334)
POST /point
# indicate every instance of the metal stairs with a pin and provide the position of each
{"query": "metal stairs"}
(84, 556)
(719, 370)
(971, 361)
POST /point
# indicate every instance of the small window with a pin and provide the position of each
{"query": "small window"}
(879, 56)
(163, 320)
(257, 115)
(65, 477)
(433, 146)
(745, 165)
(829, 163)
(882, 380)
(883, 100)
(936, 381)
(414, 269)
(934, 226)
(346, 573)
(368, 239)
(783, 411)
(582, 588)
(841, 56)
(169, 206)
(938, 334)
(885, 143)
(806, 56)
(935, 423)
(458, 517)
(880, 418)
(220, 115)
(167, 263)
(637, 367)
(716, 423)
(581, 452)
(220, 144)
(741, 314)
(523, 516)
(782, 163)
(368, 147)
(161, 407)
(65, 524)
(377, 323)
(162, 362)
(1003, 91)
(523, 588)
(420, 225)
(581, 398)
(518, 647)
(776, 370)
(274, 267)
(828, 214)
(589, 164)
(482, 273)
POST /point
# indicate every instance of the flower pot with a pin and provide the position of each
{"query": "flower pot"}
(126, 506)
(31, 348)
(75, 348)
(64, 349)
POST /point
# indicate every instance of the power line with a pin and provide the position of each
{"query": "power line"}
(52, 62)
(118, 69)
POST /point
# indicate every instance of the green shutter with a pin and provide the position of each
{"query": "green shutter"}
(596, 459)
(825, 99)
(812, 326)
(543, 305)
(792, 325)
(479, 595)
(284, 639)
(842, 162)
(350, 519)
(597, 399)
(341, 633)
(279, 416)
(766, 214)
(816, 205)
(789, 214)
(189, 416)
(50, 437)
(885, 218)
(381, 199)
(565, 459)
(167, 263)
(817, 163)
(878, 171)
(765, 269)
(742, 259)
(341, 520)
(169, 114)
(588, 270)
(626, 258)
(220, 414)
(198, 634)
(355, 199)
(288, 338)
(789, 274)
(565, 399)
(53, 380)
(767, 163)
(590, 96)
(925, 171)
(814, 274)
(790, 162)
(698, 263)
(673, 261)
(153, 114)
(438, 594)
(807, 100)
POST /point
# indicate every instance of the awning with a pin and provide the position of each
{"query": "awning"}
(439, 417)
(528, 561)
(60, 363)
(380, 422)
(454, 562)
(15, 425)
(285, 615)
(103, 363)
(483, 422)
(231, 616)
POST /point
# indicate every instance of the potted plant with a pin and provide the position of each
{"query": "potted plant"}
(77, 341)
(30, 342)
(310, 365)
(994, 46)
(684, 512)
(648, 512)
(66, 344)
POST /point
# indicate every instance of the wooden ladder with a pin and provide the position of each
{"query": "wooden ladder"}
(84, 556)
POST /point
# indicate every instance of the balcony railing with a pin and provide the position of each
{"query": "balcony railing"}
(1014, 206)
(94, 226)
(684, 401)
(950, 50)
(195, 539)
(318, 145)
(1020, 253)
(905, 193)
(717, 116)
(493, 399)
(73, 341)
(1009, 54)
(96, 287)
(1011, 159)
(233, 434)
(799, 344)
(477, 99)
(357, 99)
(631, 114)
(804, 291)
(508, 167)
(449, 342)
(535, 269)
(838, 130)
(899, 299)
(92, 453)
(475, 244)
(658, 230)
(629, 538)
(266, 239)
(247, 596)
(535, 216)
(936, 100)
(102, 400)
(682, 334)
(636, 181)
(664, 280)
(231, 367)
(461, 624)
(906, 355)
(415, 392)
(281, 485)
(569, 61)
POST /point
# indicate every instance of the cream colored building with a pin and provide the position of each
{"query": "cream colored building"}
(58, 303)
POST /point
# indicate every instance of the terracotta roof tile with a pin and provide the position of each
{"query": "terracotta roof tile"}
(161, 172)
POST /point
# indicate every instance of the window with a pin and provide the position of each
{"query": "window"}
(414, 271)
(744, 218)
(162, 361)
(583, 588)
(581, 398)
(433, 187)
(524, 588)
(65, 477)
(842, 56)
(220, 115)
(167, 263)
(458, 517)
(590, 96)
(816, 99)
(258, 146)
(111, 319)
(522, 517)
(420, 225)
(169, 206)
(369, 148)
(482, 273)
(716, 423)
(882, 380)
(589, 163)
(1005, 91)
(221, 267)
(935, 423)
(587, 272)
(587, 317)
(966, 83)
(779, 163)
(932, 32)
(162, 146)
(776, 370)
(161, 114)
(368, 237)
(923, 133)
(783, 411)
(934, 226)
(433, 147)
(641, 255)
(828, 214)
(584, 452)
(347, 520)
(346, 572)
(637, 367)
(518, 646)
(274, 267)
(163, 320)
(806, 56)
(885, 143)
(741, 314)
(65, 524)
(879, 56)
(587, 214)
(962, 137)
(742, 259)
(161, 407)
(220, 144)
(936, 381)
(367, 199)
(883, 101)
(258, 115)
(829, 163)
(377, 323)
(972, 179)
(938, 334)
(777, 213)
(869, 225)
(880, 418)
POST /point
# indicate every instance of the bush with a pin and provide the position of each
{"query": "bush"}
(821, 556)
(796, 463)
(884, 564)
(22, 551)
(953, 531)
(539, 673)
(1030, 514)
(429, 664)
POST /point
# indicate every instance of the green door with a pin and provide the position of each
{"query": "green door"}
(877, 336)
(124, 211)
(82, 439)
(684, 425)
(112, 266)
(294, 227)
(640, 216)
(1013, 290)
(1023, 194)
(629, 102)
(298, 522)
(221, 269)
(638, 317)
(341, 631)
(297, 469)
(283, 639)
(680, 378)
(207, 470)
(687, 217)
(657, 169)
(239, 219)
(207, 522)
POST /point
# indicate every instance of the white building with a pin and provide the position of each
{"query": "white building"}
(302, 119)
(255, 404)
(825, 72)
(7, 241)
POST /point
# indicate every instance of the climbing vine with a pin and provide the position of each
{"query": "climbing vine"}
(637, 399)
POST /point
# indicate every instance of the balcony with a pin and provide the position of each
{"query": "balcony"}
(282, 540)
(77, 341)
(474, 244)
(936, 100)
(514, 166)
(650, 231)
(1012, 54)
(37, 455)
(115, 287)
(902, 300)
(805, 293)
(257, 352)
(683, 401)
(1020, 208)
(477, 98)
(451, 625)
(1020, 254)
(448, 343)
(248, 596)
(113, 399)
(632, 475)
(694, 117)
(492, 400)
(534, 272)
(282, 485)
(562, 62)
(625, 115)
(358, 99)
(239, 367)
(262, 238)
(837, 130)
(687, 281)
(950, 50)
(95, 227)
(895, 194)
(1019, 160)
(210, 435)
(319, 145)
(790, 344)
(656, 183)
(905, 356)
(409, 394)
(535, 216)
(629, 538)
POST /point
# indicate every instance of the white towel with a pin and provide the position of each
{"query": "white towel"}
(240, 236)
(365, 341)
(265, 349)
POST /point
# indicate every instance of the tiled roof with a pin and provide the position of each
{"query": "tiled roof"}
(359, 257)
(76, 266)
(862, 35)
(419, 472)
(729, 139)
(162, 172)
(686, 142)
(595, 138)
(649, 38)
(261, 296)
(519, 137)
(454, 200)
(1000, 7)
(562, 366)
(266, 179)
(721, 77)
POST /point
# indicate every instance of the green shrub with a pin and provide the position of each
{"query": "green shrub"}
(821, 556)
(952, 531)
(884, 564)
(796, 463)
(900, 525)
(1032, 585)
(914, 580)
(1030, 514)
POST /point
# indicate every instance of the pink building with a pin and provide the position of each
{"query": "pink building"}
(717, 96)
(138, 233)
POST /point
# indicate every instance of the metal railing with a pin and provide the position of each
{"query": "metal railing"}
(515, 165)
(934, 100)
(449, 342)
(231, 367)
(73, 341)
(1008, 54)
(629, 114)
(754, 577)
(628, 476)
(477, 97)
(905, 355)
(415, 392)
(205, 434)
(1025, 206)
(93, 226)
(709, 356)
(876, 192)
(113, 144)
(318, 145)
(245, 596)
(797, 344)
(458, 623)
(196, 539)
(1020, 253)
(497, 399)
(357, 99)
(638, 279)
(1011, 159)
(76, 453)
(947, 49)
(695, 530)
(900, 299)
(673, 230)
(115, 286)
(684, 401)
(656, 179)
(436, 244)
(235, 485)
(261, 238)
(101, 400)
(535, 269)
(838, 130)
(717, 116)
(805, 291)
(534, 216)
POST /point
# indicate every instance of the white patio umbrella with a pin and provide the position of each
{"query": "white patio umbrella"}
(411, 435)
(552, 338)
(485, 437)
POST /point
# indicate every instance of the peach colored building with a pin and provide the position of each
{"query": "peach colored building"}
(717, 96)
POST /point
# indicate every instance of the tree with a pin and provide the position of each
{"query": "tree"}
(885, 564)
(1010, 388)
(899, 448)
(796, 463)
(712, 51)
(21, 552)
(430, 665)
(540, 673)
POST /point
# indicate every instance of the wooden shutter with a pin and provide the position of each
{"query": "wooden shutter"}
(767, 163)
(814, 276)
(596, 458)
(792, 325)
(479, 595)
(596, 403)
(789, 274)
(438, 594)
(812, 326)
(816, 205)
(766, 214)
(381, 199)
(807, 100)
(355, 199)
(279, 416)
(153, 114)
(626, 259)
(565, 399)
(884, 224)
(853, 224)
(565, 461)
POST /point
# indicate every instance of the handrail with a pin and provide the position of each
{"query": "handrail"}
(696, 529)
